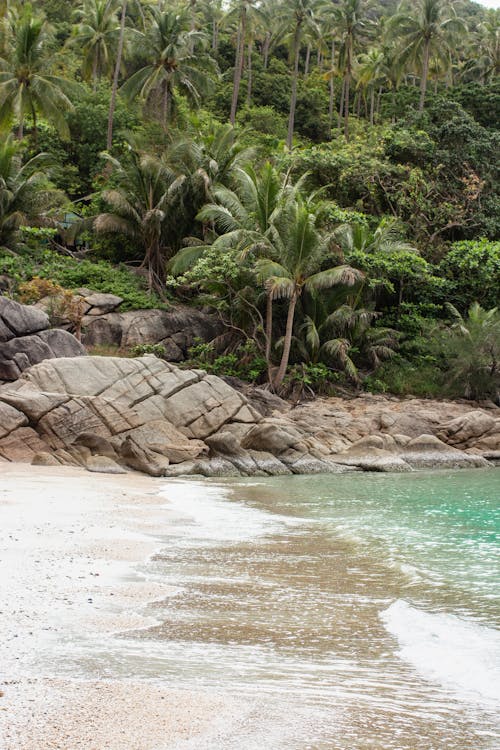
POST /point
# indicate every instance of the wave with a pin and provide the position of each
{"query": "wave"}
(462, 655)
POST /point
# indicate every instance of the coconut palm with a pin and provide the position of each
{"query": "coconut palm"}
(26, 88)
(302, 251)
(350, 23)
(301, 12)
(178, 62)
(143, 202)
(425, 29)
(97, 35)
(242, 218)
(371, 73)
(116, 75)
(25, 196)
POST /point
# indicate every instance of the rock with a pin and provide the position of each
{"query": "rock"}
(96, 444)
(104, 464)
(163, 438)
(143, 460)
(20, 320)
(462, 429)
(44, 459)
(101, 303)
(272, 436)
(176, 329)
(27, 340)
(10, 419)
(224, 442)
(428, 452)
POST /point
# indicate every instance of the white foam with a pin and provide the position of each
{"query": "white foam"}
(461, 655)
(206, 514)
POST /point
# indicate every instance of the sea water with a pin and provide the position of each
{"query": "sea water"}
(354, 611)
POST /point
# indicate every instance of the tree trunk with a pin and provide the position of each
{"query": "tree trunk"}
(249, 73)
(346, 105)
(116, 76)
(165, 105)
(293, 99)
(377, 107)
(372, 105)
(331, 87)
(319, 59)
(35, 128)
(215, 35)
(287, 342)
(308, 59)
(20, 130)
(341, 105)
(265, 49)
(95, 66)
(425, 71)
(238, 66)
(269, 332)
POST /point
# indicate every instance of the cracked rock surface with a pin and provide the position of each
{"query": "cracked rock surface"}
(111, 414)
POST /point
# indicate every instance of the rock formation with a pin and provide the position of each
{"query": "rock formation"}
(27, 339)
(109, 414)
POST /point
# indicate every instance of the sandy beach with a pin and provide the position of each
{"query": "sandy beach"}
(69, 545)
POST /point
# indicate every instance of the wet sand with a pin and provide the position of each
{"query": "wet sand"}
(69, 544)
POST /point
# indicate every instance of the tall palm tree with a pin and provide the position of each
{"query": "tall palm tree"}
(26, 88)
(97, 35)
(426, 28)
(178, 61)
(116, 75)
(371, 73)
(141, 206)
(302, 251)
(351, 24)
(301, 12)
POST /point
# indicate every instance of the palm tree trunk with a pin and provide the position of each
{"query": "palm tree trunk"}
(331, 86)
(425, 71)
(347, 83)
(341, 105)
(116, 76)
(269, 332)
(249, 73)
(238, 66)
(377, 107)
(215, 35)
(165, 104)
(20, 130)
(287, 342)
(265, 49)
(372, 105)
(308, 59)
(295, 76)
(35, 128)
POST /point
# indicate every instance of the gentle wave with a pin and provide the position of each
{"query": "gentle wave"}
(461, 655)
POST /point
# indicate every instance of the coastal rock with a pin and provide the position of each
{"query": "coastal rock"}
(27, 340)
(110, 414)
(176, 330)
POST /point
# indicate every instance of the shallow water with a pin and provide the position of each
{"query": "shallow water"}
(358, 611)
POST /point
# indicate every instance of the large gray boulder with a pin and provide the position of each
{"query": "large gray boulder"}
(26, 339)
(176, 330)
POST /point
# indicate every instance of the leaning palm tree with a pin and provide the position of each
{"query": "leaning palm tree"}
(178, 62)
(26, 198)
(26, 88)
(302, 251)
(426, 29)
(140, 207)
(97, 36)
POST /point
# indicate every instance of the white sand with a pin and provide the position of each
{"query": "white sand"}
(69, 541)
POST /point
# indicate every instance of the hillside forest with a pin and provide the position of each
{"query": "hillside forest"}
(321, 175)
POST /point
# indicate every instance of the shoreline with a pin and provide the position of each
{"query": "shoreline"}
(69, 567)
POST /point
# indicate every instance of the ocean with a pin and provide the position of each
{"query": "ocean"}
(356, 611)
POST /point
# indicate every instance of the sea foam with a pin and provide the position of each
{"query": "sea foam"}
(462, 655)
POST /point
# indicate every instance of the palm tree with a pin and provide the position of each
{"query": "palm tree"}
(302, 251)
(243, 218)
(426, 29)
(241, 9)
(371, 73)
(302, 15)
(350, 23)
(116, 75)
(25, 196)
(141, 205)
(25, 86)
(97, 35)
(177, 63)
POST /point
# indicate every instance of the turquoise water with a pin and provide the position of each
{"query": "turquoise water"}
(346, 612)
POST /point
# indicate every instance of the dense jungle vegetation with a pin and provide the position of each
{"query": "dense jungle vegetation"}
(323, 174)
